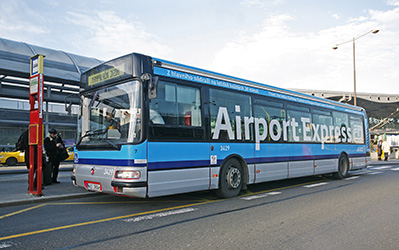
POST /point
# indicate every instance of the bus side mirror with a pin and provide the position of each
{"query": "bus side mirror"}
(68, 105)
(153, 87)
(68, 108)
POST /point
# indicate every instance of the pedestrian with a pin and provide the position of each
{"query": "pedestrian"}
(386, 150)
(54, 147)
(379, 149)
(23, 146)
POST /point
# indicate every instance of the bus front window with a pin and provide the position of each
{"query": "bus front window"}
(112, 115)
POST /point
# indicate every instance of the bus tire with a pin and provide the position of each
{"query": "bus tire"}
(11, 161)
(343, 167)
(231, 179)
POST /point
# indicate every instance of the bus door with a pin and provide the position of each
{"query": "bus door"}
(178, 156)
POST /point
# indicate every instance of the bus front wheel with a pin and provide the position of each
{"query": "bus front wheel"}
(231, 179)
(343, 167)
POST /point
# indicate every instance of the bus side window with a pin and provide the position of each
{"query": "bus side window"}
(237, 105)
(356, 125)
(176, 113)
(270, 110)
(341, 123)
(176, 105)
(297, 132)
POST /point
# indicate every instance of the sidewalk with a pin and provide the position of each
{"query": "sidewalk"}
(14, 187)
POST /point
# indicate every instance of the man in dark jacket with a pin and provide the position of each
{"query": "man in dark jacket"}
(23, 146)
(53, 145)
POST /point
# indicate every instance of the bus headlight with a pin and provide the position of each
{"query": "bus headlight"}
(127, 174)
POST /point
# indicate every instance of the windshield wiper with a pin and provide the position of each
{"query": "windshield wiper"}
(118, 147)
(90, 133)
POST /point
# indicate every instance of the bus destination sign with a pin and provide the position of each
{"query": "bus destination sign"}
(106, 75)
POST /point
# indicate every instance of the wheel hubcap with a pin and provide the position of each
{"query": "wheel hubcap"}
(234, 178)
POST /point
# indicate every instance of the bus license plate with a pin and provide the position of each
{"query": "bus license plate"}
(93, 186)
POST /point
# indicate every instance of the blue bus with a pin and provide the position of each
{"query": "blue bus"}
(150, 127)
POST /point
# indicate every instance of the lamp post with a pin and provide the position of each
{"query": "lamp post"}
(354, 65)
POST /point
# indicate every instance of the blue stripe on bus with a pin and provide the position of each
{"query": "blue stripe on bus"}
(205, 163)
(177, 164)
(111, 162)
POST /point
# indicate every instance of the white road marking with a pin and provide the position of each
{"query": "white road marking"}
(5, 245)
(258, 196)
(351, 178)
(160, 215)
(380, 168)
(316, 185)
(375, 173)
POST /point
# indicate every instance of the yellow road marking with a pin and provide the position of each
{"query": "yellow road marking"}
(21, 211)
(99, 221)
(125, 216)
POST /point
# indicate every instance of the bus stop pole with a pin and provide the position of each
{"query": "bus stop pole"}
(35, 135)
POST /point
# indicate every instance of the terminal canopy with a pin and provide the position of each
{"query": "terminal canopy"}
(59, 66)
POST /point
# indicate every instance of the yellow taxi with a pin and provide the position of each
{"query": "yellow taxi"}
(14, 157)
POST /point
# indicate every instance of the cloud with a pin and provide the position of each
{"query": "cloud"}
(15, 21)
(393, 2)
(261, 3)
(336, 16)
(114, 36)
(280, 56)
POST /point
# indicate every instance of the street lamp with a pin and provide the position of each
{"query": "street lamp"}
(354, 67)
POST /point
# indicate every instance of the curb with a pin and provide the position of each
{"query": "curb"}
(392, 162)
(42, 199)
(25, 171)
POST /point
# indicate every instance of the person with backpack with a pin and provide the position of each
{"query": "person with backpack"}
(23, 146)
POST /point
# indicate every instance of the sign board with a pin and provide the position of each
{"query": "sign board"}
(36, 65)
(34, 84)
(109, 72)
(33, 134)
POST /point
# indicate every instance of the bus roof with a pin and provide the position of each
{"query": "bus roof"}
(161, 63)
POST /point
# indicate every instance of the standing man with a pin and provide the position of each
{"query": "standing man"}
(23, 146)
(53, 145)
(386, 149)
(379, 149)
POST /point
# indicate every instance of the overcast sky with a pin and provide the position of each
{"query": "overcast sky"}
(285, 43)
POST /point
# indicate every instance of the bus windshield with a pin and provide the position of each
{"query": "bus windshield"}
(112, 116)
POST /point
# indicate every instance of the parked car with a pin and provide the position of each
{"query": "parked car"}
(14, 157)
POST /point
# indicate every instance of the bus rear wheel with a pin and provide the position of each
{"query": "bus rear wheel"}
(343, 167)
(231, 179)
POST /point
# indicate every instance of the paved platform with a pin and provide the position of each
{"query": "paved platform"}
(14, 186)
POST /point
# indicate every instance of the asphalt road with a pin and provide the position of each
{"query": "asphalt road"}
(360, 212)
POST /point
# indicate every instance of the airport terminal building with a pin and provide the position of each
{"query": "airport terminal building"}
(61, 87)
